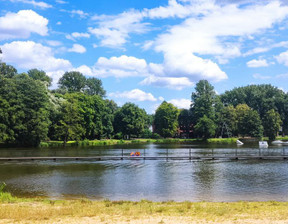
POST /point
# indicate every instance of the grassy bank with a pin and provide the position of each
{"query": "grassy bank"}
(85, 211)
(134, 141)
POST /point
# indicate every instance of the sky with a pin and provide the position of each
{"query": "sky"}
(149, 51)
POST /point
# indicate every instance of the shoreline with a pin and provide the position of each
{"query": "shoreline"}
(37, 210)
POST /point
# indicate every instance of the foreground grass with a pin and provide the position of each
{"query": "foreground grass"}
(15, 210)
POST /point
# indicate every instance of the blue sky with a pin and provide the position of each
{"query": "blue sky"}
(149, 51)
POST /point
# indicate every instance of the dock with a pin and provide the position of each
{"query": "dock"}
(107, 158)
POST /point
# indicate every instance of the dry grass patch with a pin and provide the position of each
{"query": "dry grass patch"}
(85, 211)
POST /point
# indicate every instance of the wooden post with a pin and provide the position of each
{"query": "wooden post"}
(190, 154)
(144, 153)
(122, 154)
(167, 154)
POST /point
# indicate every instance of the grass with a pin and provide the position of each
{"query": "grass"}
(133, 141)
(39, 210)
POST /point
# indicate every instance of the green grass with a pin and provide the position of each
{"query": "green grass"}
(134, 141)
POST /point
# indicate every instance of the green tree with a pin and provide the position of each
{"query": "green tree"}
(108, 118)
(40, 75)
(205, 127)
(69, 123)
(130, 120)
(7, 71)
(72, 82)
(24, 112)
(94, 87)
(272, 123)
(203, 100)
(166, 120)
(249, 122)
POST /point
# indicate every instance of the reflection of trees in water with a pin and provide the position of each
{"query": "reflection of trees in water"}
(205, 175)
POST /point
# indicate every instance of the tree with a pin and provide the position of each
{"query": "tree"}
(271, 123)
(249, 122)
(24, 112)
(40, 75)
(72, 82)
(130, 120)
(69, 123)
(205, 127)
(94, 87)
(203, 100)
(108, 118)
(166, 120)
(7, 71)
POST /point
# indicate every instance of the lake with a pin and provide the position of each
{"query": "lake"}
(209, 180)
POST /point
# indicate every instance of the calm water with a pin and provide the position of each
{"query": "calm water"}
(222, 180)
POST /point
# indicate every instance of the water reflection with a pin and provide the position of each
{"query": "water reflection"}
(153, 180)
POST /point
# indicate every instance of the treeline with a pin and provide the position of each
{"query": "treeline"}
(78, 110)
(31, 113)
(254, 110)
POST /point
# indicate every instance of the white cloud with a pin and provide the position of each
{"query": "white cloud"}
(79, 13)
(283, 58)
(214, 34)
(22, 24)
(77, 48)
(76, 35)
(168, 82)
(113, 31)
(28, 54)
(257, 63)
(42, 5)
(119, 67)
(181, 103)
(134, 95)
(262, 77)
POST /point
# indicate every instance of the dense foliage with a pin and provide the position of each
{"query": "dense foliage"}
(77, 110)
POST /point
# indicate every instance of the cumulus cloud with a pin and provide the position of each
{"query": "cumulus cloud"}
(28, 55)
(119, 67)
(134, 95)
(257, 63)
(113, 31)
(181, 103)
(283, 58)
(77, 48)
(42, 5)
(177, 83)
(20, 25)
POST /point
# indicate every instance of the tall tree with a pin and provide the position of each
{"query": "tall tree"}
(94, 87)
(72, 82)
(166, 120)
(272, 123)
(7, 71)
(40, 75)
(69, 123)
(25, 115)
(202, 100)
(130, 120)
